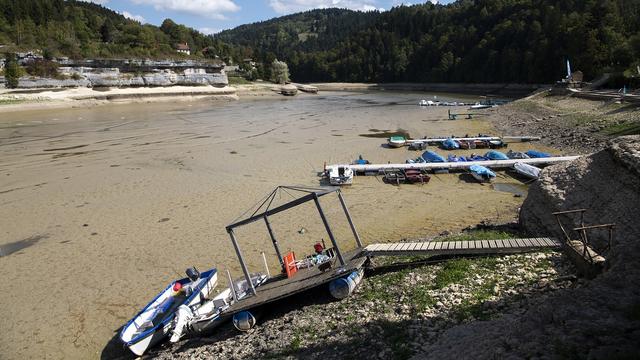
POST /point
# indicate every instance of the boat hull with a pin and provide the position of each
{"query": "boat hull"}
(140, 340)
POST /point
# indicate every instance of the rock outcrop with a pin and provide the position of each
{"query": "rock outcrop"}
(598, 321)
(112, 77)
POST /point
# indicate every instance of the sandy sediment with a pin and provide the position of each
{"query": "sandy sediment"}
(24, 100)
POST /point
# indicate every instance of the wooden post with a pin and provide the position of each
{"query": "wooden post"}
(273, 240)
(326, 225)
(242, 263)
(346, 212)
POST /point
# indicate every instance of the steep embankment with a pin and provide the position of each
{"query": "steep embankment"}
(571, 124)
(599, 320)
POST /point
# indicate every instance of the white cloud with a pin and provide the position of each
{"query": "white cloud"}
(101, 2)
(137, 18)
(291, 6)
(214, 9)
(209, 31)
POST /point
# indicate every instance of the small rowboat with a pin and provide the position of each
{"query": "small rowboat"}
(415, 176)
(481, 173)
(396, 141)
(155, 321)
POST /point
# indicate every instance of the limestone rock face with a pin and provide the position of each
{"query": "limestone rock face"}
(35, 83)
(112, 77)
(599, 320)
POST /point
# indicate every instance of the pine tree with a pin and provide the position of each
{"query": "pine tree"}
(11, 71)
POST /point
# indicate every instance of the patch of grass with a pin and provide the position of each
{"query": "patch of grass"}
(397, 339)
(473, 305)
(10, 101)
(421, 299)
(453, 271)
(480, 235)
(295, 344)
(628, 128)
(238, 80)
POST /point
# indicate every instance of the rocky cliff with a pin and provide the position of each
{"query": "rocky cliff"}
(600, 320)
(112, 77)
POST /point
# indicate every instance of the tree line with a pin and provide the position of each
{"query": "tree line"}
(525, 41)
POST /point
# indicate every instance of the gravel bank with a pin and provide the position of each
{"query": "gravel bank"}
(396, 312)
(568, 123)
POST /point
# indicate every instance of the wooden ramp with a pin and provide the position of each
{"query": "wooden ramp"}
(433, 248)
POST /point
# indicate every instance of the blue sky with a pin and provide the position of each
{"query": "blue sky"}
(210, 16)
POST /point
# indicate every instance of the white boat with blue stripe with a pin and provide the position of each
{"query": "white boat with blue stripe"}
(155, 321)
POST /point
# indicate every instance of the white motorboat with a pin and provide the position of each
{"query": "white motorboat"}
(204, 317)
(155, 321)
(340, 175)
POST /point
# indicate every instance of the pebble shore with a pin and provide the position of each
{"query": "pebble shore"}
(398, 311)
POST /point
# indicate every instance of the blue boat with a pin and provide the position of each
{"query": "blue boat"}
(482, 173)
(432, 156)
(537, 154)
(454, 158)
(476, 157)
(450, 144)
(496, 155)
(155, 321)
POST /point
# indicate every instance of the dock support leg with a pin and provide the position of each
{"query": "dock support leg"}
(241, 259)
(329, 232)
(274, 240)
(346, 212)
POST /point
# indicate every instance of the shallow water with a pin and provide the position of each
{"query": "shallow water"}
(130, 195)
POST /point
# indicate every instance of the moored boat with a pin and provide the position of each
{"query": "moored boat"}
(432, 156)
(340, 175)
(527, 170)
(537, 154)
(397, 141)
(415, 176)
(155, 321)
(496, 155)
(205, 317)
(481, 173)
(450, 144)
(517, 155)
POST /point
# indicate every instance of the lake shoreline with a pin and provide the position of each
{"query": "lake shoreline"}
(17, 100)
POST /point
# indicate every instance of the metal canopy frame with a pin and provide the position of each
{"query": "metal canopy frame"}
(264, 210)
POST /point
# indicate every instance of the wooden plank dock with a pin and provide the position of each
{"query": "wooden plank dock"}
(280, 287)
(434, 248)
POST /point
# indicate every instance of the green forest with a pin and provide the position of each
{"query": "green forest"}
(523, 41)
(78, 30)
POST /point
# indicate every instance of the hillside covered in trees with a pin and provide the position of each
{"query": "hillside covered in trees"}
(524, 41)
(80, 29)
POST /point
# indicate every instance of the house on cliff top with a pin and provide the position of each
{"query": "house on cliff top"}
(183, 49)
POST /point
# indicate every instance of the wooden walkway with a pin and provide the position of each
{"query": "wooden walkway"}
(433, 248)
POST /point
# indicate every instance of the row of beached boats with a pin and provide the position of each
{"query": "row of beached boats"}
(186, 306)
(480, 141)
(343, 174)
(472, 106)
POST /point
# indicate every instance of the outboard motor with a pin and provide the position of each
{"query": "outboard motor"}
(193, 274)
